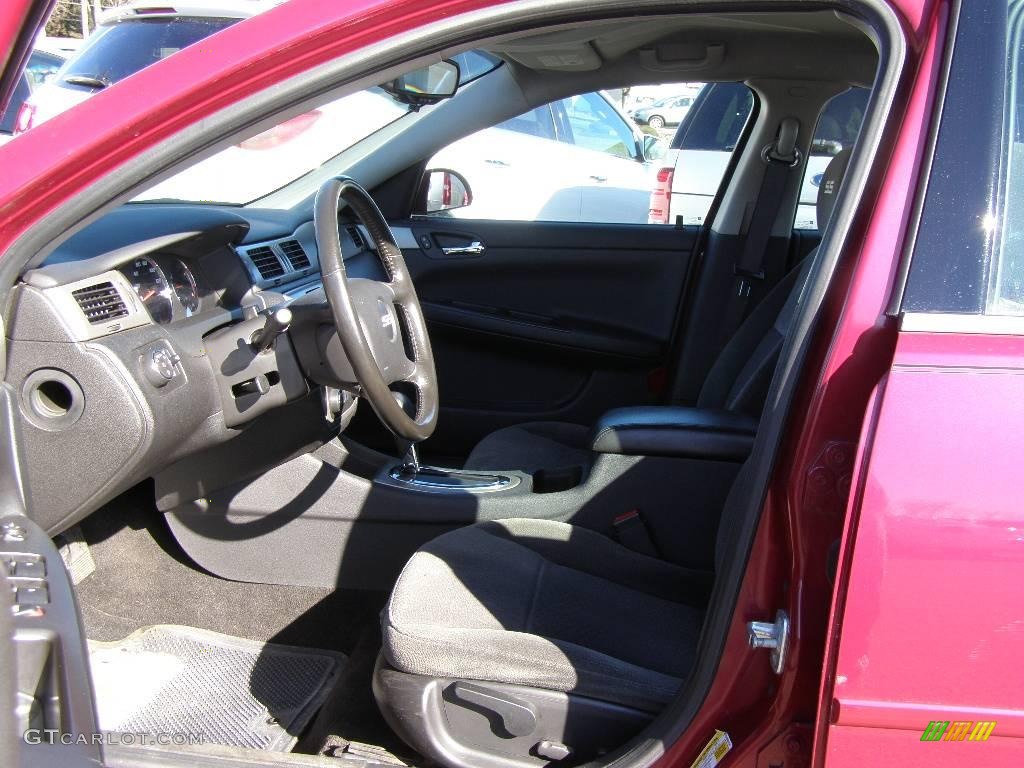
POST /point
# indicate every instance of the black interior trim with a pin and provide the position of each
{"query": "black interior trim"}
(498, 321)
(928, 161)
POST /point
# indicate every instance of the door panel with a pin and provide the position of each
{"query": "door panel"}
(552, 321)
(941, 519)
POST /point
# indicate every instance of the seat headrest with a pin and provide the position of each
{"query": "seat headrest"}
(828, 190)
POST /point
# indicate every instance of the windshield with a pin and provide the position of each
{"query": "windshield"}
(291, 150)
(266, 162)
(122, 49)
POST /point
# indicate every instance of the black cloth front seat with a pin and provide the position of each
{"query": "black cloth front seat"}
(521, 642)
(738, 380)
(544, 604)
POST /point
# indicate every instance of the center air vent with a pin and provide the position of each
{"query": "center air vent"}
(292, 249)
(100, 303)
(266, 263)
(356, 235)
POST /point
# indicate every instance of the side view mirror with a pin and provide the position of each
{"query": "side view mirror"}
(444, 190)
(427, 85)
(655, 148)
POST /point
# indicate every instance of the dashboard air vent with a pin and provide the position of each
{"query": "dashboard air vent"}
(356, 235)
(292, 249)
(100, 303)
(266, 263)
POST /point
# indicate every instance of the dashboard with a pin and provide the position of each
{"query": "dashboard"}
(131, 350)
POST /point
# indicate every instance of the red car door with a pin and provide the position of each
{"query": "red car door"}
(923, 665)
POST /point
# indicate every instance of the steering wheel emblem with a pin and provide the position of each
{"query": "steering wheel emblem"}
(387, 320)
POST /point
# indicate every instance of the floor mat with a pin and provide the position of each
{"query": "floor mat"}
(220, 689)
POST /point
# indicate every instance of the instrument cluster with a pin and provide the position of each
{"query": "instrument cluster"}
(166, 286)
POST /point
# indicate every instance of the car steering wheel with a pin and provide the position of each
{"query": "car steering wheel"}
(380, 324)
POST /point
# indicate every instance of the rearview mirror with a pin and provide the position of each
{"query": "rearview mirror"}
(444, 190)
(427, 85)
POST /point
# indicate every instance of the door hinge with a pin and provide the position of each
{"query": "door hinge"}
(789, 749)
(773, 635)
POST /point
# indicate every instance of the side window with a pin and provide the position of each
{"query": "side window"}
(41, 67)
(968, 253)
(1006, 282)
(589, 158)
(837, 129)
(536, 122)
(596, 125)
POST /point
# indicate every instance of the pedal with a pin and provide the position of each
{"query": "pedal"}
(364, 753)
(74, 551)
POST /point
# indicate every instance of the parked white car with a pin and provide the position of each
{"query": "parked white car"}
(645, 95)
(667, 111)
(127, 39)
(691, 171)
(575, 159)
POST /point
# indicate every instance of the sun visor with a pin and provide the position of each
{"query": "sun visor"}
(568, 57)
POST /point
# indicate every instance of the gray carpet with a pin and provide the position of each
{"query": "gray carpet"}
(143, 578)
(208, 686)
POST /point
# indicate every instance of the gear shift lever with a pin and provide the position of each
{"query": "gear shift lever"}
(417, 476)
(411, 461)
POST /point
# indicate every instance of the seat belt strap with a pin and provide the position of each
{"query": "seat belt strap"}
(780, 157)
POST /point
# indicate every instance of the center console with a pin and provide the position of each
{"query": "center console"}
(347, 515)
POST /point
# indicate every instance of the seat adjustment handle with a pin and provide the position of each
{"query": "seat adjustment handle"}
(518, 717)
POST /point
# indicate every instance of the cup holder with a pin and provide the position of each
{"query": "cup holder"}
(51, 399)
(555, 480)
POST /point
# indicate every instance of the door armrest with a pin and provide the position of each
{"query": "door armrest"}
(664, 430)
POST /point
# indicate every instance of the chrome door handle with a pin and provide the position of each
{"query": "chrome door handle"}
(476, 248)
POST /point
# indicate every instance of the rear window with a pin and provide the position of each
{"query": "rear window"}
(124, 48)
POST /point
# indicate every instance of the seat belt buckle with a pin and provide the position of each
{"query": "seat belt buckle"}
(745, 279)
(746, 274)
(632, 533)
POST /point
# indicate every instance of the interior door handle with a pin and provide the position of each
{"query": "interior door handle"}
(476, 248)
